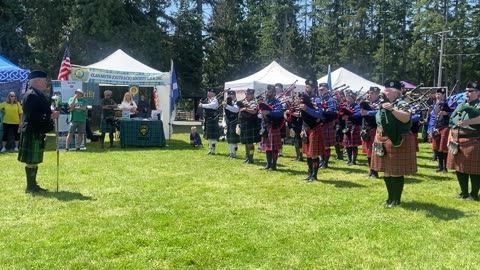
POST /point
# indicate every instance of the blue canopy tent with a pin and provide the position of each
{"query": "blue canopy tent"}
(10, 72)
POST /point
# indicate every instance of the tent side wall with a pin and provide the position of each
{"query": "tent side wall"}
(163, 93)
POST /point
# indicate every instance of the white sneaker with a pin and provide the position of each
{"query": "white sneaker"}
(15, 149)
(3, 149)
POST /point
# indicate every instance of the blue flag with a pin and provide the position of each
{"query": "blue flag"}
(174, 88)
(329, 79)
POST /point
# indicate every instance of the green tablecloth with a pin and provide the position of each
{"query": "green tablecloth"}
(141, 133)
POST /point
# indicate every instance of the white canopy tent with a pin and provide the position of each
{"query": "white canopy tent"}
(343, 76)
(120, 68)
(271, 74)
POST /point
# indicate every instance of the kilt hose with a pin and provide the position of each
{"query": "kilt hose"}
(314, 147)
(367, 146)
(441, 145)
(352, 138)
(232, 136)
(211, 129)
(329, 133)
(106, 126)
(273, 141)
(31, 147)
(250, 132)
(397, 161)
(467, 160)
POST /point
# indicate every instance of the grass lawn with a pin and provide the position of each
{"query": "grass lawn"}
(177, 208)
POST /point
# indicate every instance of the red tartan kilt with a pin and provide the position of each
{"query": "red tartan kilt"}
(442, 144)
(397, 161)
(329, 134)
(367, 146)
(354, 138)
(315, 146)
(273, 141)
(415, 137)
(467, 160)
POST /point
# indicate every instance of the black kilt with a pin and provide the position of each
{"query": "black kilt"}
(232, 136)
(107, 126)
(211, 129)
(31, 147)
(250, 131)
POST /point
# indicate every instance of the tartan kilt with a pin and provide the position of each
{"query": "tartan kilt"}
(31, 147)
(415, 137)
(106, 127)
(273, 141)
(314, 147)
(442, 144)
(352, 138)
(367, 146)
(232, 136)
(211, 129)
(329, 133)
(397, 161)
(250, 132)
(467, 160)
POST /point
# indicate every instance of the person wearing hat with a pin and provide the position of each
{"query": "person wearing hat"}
(329, 107)
(211, 129)
(353, 121)
(464, 143)
(248, 124)
(37, 120)
(394, 145)
(438, 129)
(77, 118)
(272, 122)
(312, 133)
(231, 110)
(369, 125)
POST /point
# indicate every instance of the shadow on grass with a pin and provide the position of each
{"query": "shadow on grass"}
(342, 183)
(64, 196)
(433, 210)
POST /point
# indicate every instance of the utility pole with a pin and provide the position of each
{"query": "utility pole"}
(442, 40)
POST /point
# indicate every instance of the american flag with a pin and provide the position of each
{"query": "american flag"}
(65, 66)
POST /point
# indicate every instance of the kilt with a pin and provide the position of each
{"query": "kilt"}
(329, 134)
(367, 146)
(352, 138)
(314, 147)
(467, 160)
(250, 132)
(442, 144)
(273, 141)
(397, 161)
(31, 147)
(211, 129)
(232, 136)
(415, 137)
(106, 127)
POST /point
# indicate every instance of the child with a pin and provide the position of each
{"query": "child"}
(195, 140)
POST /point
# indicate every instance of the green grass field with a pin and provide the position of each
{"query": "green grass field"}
(177, 208)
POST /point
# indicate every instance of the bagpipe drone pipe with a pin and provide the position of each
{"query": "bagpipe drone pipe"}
(269, 120)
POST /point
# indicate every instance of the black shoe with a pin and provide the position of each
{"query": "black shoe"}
(374, 175)
(308, 178)
(324, 166)
(393, 204)
(35, 189)
(271, 169)
(249, 162)
(461, 196)
(77, 149)
(444, 170)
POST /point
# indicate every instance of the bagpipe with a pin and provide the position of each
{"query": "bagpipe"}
(463, 112)
(308, 119)
(268, 120)
(389, 123)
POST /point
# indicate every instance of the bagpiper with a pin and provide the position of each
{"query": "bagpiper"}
(211, 128)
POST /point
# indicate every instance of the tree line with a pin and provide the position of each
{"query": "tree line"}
(213, 41)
